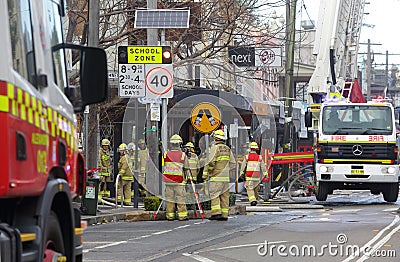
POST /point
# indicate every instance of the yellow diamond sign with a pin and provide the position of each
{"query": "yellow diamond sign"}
(205, 117)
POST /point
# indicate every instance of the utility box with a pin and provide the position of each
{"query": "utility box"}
(91, 196)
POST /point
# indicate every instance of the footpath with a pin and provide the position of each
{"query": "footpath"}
(106, 213)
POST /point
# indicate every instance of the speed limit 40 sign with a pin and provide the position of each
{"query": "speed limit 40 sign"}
(158, 81)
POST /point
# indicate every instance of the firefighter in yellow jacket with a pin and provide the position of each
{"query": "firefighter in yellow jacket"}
(193, 160)
(104, 163)
(143, 156)
(131, 157)
(174, 177)
(220, 163)
(125, 174)
(252, 167)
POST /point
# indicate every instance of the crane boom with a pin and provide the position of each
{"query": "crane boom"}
(336, 46)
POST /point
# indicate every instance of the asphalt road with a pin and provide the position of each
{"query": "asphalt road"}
(346, 228)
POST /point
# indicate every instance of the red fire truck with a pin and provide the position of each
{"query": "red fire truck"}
(41, 170)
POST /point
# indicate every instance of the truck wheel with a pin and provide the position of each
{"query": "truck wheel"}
(53, 243)
(390, 192)
(321, 193)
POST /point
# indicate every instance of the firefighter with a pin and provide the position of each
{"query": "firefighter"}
(220, 163)
(126, 175)
(131, 161)
(143, 156)
(251, 168)
(174, 177)
(193, 160)
(104, 163)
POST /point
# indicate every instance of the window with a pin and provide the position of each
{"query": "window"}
(56, 37)
(23, 54)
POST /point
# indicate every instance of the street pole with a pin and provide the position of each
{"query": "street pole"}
(289, 87)
(153, 181)
(90, 119)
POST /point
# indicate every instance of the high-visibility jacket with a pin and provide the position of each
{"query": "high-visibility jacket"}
(221, 161)
(132, 164)
(104, 162)
(174, 163)
(143, 156)
(124, 169)
(253, 165)
(194, 165)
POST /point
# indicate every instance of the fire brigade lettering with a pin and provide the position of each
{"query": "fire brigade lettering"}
(41, 161)
(40, 139)
(338, 138)
(376, 139)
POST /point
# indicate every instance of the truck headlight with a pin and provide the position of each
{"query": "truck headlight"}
(323, 169)
(391, 170)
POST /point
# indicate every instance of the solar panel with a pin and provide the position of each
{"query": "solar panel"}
(161, 18)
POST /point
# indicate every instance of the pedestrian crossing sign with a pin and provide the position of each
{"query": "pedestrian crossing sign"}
(205, 117)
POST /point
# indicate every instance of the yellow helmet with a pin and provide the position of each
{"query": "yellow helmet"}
(189, 144)
(105, 142)
(175, 139)
(253, 145)
(141, 141)
(122, 147)
(219, 134)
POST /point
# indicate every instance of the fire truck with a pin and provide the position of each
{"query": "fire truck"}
(41, 169)
(354, 142)
(355, 148)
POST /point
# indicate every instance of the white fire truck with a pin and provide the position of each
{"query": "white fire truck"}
(355, 148)
(41, 170)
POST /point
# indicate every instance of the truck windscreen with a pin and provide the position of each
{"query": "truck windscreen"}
(357, 120)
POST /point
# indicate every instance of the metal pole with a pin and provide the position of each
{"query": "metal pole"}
(289, 88)
(152, 180)
(93, 40)
(136, 172)
(368, 71)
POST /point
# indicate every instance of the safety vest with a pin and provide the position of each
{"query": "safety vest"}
(124, 169)
(173, 167)
(253, 167)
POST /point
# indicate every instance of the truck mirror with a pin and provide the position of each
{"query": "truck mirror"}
(94, 76)
(308, 119)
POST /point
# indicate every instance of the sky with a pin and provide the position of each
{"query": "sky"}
(380, 26)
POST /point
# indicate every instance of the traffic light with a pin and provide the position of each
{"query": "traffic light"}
(166, 55)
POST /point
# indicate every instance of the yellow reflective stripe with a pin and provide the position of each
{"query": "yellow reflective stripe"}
(27, 99)
(182, 156)
(182, 214)
(250, 178)
(14, 108)
(219, 179)
(225, 210)
(383, 161)
(23, 112)
(10, 91)
(216, 207)
(4, 104)
(19, 95)
(222, 158)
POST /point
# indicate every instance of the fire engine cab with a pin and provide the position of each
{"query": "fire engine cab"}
(355, 148)
(41, 170)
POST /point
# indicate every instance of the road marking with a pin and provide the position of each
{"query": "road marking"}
(391, 209)
(346, 210)
(162, 232)
(105, 246)
(181, 227)
(375, 238)
(379, 244)
(197, 257)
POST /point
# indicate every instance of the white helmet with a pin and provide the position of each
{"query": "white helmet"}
(131, 146)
